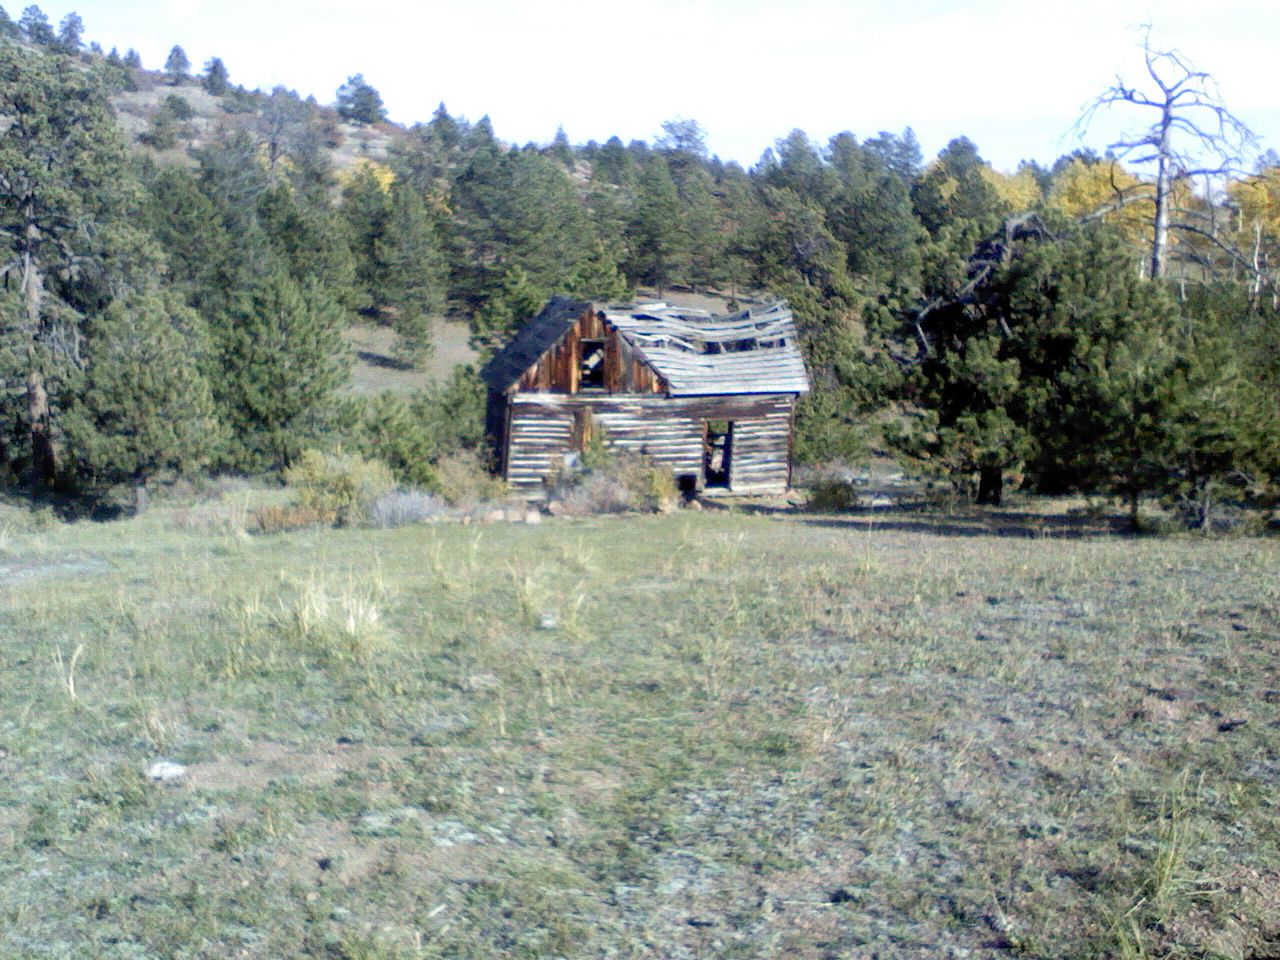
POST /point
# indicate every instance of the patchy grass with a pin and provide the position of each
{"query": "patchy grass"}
(695, 735)
(376, 368)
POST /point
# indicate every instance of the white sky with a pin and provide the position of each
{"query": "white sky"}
(1012, 75)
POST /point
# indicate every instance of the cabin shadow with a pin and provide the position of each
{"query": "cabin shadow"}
(927, 520)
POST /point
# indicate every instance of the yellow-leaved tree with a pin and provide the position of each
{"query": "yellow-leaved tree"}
(1104, 190)
(1019, 191)
(1257, 205)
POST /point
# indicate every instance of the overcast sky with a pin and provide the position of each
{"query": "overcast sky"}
(1012, 75)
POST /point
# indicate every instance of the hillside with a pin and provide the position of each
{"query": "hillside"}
(344, 145)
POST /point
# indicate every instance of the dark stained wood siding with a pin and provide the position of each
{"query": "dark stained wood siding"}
(559, 369)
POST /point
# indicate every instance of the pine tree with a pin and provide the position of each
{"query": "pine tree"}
(7, 27)
(561, 149)
(36, 28)
(1056, 364)
(414, 271)
(366, 209)
(116, 75)
(217, 81)
(132, 59)
(517, 209)
(870, 213)
(308, 238)
(71, 33)
(614, 164)
(516, 300)
(957, 205)
(189, 228)
(657, 253)
(63, 180)
(177, 66)
(358, 102)
(283, 358)
(145, 406)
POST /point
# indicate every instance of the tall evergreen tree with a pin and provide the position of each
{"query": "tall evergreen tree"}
(36, 27)
(307, 237)
(958, 206)
(561, 149)
(177, 66)
(517, 210)
(614, 164)
(71, 33)
(283, 358)
(1055, 363)
(145, 406)
(414, 270)
(366, 210)
(658, 253)
(62, 173)
(217, 81)
(359, 102)
(870, 213)
(8, 29)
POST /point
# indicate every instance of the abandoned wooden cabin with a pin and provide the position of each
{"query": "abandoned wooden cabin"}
(711, 397)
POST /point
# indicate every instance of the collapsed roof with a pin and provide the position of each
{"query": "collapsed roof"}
(694, 352)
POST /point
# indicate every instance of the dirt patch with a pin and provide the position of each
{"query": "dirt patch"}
(268, 762)
(13, 574)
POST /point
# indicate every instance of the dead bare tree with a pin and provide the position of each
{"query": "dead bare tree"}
(1193, 135)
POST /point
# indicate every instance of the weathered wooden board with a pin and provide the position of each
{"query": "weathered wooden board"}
(546, 428)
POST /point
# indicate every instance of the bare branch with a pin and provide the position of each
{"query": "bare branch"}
(1226, 248)
(1190, 121)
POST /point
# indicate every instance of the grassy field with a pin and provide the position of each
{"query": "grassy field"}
(375, 368)
(698, 735)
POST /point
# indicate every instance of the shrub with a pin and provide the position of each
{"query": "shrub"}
(465, 480)
(281, 518)
(400, 508)
(596, 492)
(660, 490)
(620, 482)
(178, 107)
(339, 484)
(161, 134)
(240, 100)
(832, 496)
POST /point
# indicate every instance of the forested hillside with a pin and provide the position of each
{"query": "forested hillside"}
(181, 256)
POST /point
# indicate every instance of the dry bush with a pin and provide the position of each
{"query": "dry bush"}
(339, 484)
(833, 496)
(401, 508)
(466, 483)
(597, 492)
(624, 482)
(281, 518)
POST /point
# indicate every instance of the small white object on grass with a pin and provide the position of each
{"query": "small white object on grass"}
(165, 770)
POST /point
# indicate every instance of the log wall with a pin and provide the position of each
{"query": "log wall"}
(542, 429)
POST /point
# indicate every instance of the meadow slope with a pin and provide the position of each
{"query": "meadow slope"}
(696, 735)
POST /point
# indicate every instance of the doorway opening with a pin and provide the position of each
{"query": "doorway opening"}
(717, 452)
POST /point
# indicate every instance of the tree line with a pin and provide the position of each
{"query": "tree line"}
(177, 317)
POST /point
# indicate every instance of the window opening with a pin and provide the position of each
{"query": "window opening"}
(591, 374)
